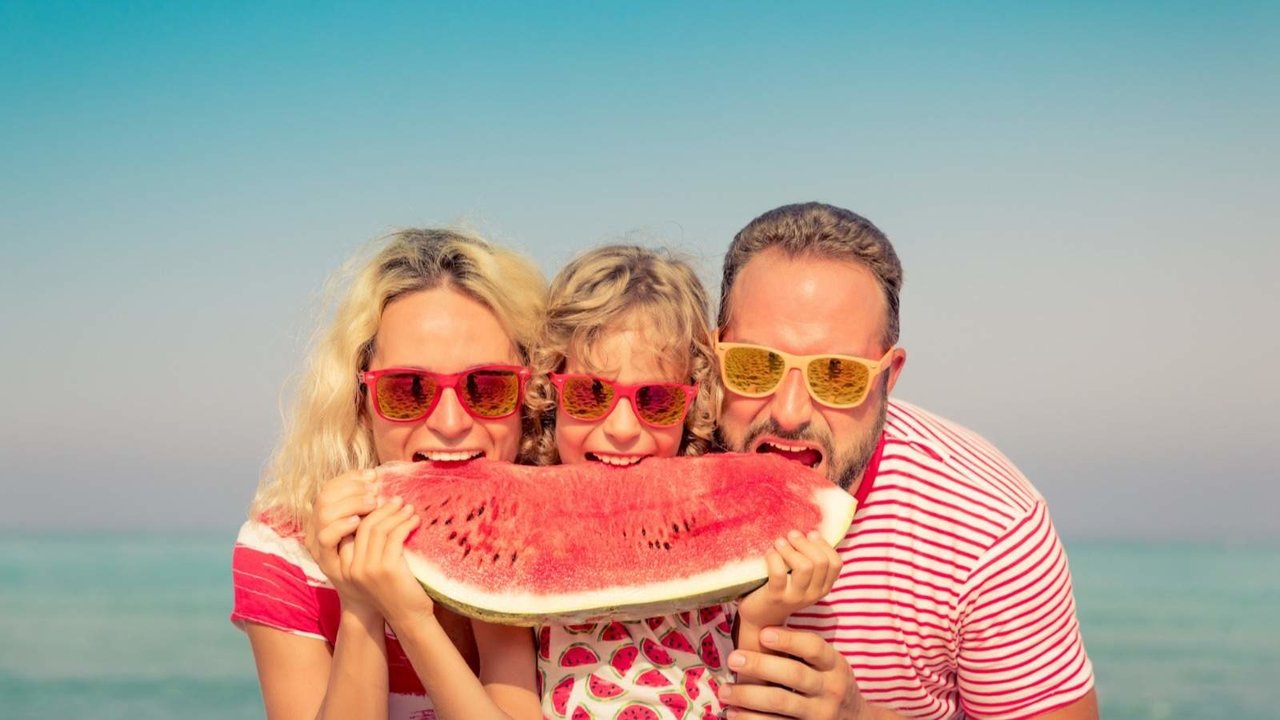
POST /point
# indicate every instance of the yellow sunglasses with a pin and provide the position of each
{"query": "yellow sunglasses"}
(837, 381)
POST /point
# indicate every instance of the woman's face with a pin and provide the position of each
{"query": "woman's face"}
(620, 438)
(443, 331)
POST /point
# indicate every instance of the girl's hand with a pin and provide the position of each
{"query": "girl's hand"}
(376, 564)
(339, 506)
(814, 566)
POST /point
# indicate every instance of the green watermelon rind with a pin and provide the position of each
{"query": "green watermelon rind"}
(617, 612)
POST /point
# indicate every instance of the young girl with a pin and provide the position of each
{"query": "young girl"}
(626, 333)
(623, 371)
(431, 309)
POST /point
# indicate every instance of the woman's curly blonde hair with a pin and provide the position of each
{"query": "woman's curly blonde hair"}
(327, 431)
(620, 287)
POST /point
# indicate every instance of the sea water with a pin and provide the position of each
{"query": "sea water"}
(135, 626)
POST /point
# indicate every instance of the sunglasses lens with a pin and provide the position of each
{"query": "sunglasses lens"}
(838, 381)
(752, 371)
(405, 396)
(585, 398)
(491, 393)
(660, 405)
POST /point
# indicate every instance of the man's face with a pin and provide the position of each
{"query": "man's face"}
(809, 306)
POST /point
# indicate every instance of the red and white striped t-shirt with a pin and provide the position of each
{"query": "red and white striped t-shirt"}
(279, 585)
(955, 599)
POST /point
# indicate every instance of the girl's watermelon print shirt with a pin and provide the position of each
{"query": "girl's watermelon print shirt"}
(668, 667)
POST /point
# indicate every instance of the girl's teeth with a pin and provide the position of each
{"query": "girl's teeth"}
(616, 460)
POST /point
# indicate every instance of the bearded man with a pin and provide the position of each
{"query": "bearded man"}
(954, 599)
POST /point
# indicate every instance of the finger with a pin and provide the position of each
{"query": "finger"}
(331, 509)
(835, 564)
(394, 550)
(368, 523)
(777, 572)
(355, 484)
(801, 567)
(352, 482)
(806, 646)
(328, 537)
(785, 672)
(812, 548)
(377, 549)
(346, 554)
(375, 530)
(766, 701)
(738, 713)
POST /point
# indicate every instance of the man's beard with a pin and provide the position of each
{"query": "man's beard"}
(844, 466)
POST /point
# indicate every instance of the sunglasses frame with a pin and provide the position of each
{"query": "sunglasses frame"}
(444, 381)
(624, 390)
(801, 363)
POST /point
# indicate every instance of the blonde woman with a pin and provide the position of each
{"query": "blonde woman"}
(423, 361)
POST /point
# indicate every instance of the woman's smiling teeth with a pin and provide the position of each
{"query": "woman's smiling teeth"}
(446, 456)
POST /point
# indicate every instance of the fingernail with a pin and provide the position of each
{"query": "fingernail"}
(795, 535)
(736, 660)
(408, 507)
(396, 500)
(813, 535)
(724, 693)
(780, 544)
(769, 636)
(370, 499)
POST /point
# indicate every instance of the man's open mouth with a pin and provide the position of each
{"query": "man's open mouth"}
(806, 455)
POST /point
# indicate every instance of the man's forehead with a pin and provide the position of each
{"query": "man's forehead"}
(807, 303)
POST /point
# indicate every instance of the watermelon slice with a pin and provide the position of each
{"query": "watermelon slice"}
(572, 543)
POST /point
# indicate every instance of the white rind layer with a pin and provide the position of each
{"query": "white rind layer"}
(622, 602)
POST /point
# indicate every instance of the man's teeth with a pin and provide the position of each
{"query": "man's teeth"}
(619, 460)
(786, 448)
(438, 456)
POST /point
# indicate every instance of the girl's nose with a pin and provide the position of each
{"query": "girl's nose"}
(622, 426)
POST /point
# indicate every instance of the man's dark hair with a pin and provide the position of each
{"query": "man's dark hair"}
(823, 231)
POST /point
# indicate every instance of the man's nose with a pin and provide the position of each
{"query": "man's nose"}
(792, 406)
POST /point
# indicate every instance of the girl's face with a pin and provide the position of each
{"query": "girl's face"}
(620, 438)
(443, 331)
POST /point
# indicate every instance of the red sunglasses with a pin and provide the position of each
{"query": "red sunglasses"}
(487, 392)
(587, 397)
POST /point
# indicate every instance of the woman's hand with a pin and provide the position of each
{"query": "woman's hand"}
(813, 567)
(339, 507)
(375, 564)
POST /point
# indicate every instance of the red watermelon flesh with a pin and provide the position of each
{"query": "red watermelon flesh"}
(572, 543)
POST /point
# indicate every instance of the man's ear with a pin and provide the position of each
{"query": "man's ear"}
(898, 359)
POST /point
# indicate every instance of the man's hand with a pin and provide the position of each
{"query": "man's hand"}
(813, 680)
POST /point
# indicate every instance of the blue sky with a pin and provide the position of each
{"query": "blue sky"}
(1082, 194)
